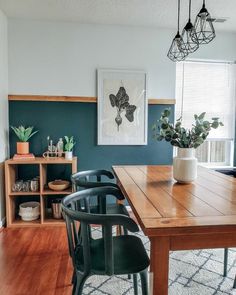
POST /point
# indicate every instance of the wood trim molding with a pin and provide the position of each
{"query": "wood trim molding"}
(16, 97)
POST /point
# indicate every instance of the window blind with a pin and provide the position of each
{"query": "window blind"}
(206, 87)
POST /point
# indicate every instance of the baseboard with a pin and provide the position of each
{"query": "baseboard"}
(2, 222)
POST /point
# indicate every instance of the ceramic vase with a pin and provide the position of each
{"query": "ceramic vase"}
(185, 165)
(68, 155)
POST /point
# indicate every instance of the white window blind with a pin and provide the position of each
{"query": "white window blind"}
(208, 87)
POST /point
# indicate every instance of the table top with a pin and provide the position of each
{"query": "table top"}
(163, 206)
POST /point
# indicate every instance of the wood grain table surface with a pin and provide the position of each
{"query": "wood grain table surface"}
(176, 216)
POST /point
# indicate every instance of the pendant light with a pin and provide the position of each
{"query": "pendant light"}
(203, 25)
(177, 51)
(189, 35)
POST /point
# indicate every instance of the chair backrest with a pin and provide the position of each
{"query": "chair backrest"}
(91, 178)
(76, 208)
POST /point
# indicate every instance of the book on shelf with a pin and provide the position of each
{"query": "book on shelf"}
(24, 157)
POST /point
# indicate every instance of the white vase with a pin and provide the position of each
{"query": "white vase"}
(68, 155)
(185, 165)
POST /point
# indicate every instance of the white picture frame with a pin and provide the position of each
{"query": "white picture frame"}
(122, 107)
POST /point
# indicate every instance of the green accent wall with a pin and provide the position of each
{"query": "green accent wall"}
(57, 119)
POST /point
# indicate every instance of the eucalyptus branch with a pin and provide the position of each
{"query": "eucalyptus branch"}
(184, 137)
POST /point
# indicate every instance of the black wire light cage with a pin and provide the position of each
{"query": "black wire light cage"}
(202, 32)
(177, 51)
(203, 25)
(189, 35)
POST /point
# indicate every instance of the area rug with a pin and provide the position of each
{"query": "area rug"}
(190, 273)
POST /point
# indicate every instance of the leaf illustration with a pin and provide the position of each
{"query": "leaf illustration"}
(130, 109)
(113, 100)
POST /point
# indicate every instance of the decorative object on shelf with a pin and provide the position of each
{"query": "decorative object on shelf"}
(69, 147)
(58, 185)
(29, 156)
(56, 209)
(202, 32)
(54, 151)
(23, 134)
(26, 186)
(29, 211)
(176, 52)
(122, 107)
(203, 25)
(60, 147)
(186, 140)
(189, 36)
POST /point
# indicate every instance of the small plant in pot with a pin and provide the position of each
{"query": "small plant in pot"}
(186, 140)
(69, 147)
(23, 134)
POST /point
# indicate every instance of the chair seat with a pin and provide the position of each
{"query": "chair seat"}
(129, 256)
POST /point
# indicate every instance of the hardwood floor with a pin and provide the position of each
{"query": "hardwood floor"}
(34, 261)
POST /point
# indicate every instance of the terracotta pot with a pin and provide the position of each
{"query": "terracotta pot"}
(22, 148)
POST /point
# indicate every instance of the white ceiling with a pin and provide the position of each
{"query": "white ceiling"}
(155, 13)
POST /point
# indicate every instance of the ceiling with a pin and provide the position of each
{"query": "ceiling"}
(154, 13)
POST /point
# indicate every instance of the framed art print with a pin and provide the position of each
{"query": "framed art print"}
(122, 107)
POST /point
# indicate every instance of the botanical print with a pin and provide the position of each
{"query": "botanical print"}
(122, 107)
(121, 102)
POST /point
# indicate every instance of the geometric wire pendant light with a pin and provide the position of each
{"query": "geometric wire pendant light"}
(204, 28)
(189, 35)
(178, 50)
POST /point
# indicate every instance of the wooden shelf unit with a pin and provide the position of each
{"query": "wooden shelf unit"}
(11, 175)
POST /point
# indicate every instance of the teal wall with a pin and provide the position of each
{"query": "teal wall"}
(80, 119)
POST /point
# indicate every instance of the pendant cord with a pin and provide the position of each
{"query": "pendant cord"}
(189, 9)
(203, 3)
(178, 13)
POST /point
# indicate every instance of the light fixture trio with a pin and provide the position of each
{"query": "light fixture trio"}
(202, 32)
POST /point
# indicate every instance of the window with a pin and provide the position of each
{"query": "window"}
(208, 87)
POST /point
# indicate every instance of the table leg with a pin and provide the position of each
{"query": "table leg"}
(159, 267)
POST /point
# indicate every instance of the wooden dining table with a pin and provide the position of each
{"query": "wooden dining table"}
(197, 215)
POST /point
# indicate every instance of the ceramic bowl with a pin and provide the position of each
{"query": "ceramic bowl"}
(29, 211)
(58, 185)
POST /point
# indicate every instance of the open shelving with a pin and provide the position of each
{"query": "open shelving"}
(24, 169)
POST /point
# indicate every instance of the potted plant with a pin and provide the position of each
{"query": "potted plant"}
(69, 147)
(23, 134)
(186, 140)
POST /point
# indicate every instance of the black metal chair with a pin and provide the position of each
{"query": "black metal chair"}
(108, 255)
(95, 178)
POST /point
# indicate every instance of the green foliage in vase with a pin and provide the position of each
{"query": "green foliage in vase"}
(182, 137)
(23, 133)
(69, 143)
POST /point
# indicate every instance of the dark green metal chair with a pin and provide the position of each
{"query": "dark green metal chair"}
(98, 178)
(108, 255)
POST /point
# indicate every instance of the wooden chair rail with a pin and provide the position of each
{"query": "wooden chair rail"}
(57, 98)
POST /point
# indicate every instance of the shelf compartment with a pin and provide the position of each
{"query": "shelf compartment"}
(47, 209)
(15, 202)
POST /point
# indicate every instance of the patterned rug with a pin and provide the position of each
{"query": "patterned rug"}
(190, 273)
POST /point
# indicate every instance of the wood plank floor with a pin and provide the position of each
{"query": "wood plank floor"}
(34, 261)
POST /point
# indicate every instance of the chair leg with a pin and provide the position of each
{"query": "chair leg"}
(80, 280)
(234, 285)
(226, 251)
(135, 279)
(144, 282)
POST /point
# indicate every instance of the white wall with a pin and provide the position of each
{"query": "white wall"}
(3, 108)
(57, 58)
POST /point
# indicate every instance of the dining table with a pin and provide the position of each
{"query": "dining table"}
(179, 216)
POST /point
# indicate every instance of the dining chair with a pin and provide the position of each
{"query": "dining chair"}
(99, 178)
(107, 255)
